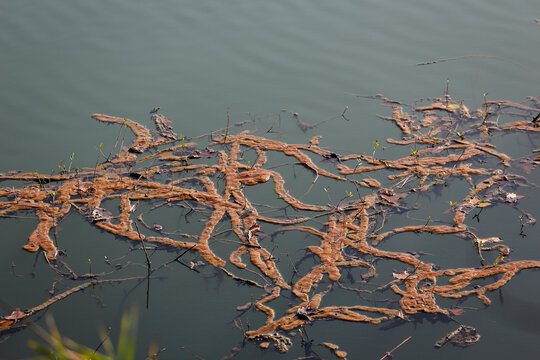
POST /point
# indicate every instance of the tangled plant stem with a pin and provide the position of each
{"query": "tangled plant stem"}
(190, 177)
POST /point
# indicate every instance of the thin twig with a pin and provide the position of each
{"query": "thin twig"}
(478, 56)
(343, 113)
(149, 266)
(389, 354)
(185, 251)
(227, 131)
(294, 268)
(144, 248)
(104, 339)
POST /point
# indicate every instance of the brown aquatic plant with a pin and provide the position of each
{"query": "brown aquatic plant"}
(450, 141)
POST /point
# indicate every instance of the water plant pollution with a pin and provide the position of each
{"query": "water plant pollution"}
(301, 249)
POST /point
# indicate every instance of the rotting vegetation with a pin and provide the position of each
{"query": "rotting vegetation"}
(449, 140)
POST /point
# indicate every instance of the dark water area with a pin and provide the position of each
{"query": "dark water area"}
(207, 64)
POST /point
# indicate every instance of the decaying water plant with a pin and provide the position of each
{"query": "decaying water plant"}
(443, 140)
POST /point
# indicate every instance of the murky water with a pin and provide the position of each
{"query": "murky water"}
(201, 60)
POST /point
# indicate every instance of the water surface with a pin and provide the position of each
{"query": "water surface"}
(199, 61)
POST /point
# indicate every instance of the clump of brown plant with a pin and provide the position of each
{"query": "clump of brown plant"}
(448, 139)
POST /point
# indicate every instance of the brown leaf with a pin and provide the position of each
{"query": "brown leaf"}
(456, 311)
(512, 197)
(206, 153)
(99, 214)
(393, 199)
(83, 187)
(483, 204)
(4, 324)
(16, 315)
(463, 336)
(164, 126)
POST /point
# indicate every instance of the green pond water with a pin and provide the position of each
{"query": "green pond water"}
(204, 61)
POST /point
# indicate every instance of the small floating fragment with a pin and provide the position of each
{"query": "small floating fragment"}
(463, 336)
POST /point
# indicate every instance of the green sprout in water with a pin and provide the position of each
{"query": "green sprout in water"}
(376, 144)
(62, 167)
(53, 194)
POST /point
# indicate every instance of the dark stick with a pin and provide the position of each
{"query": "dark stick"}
(104, 339)
(182, 254)
(149, 266)
(478, 56)
(177, 259)
(227, 130)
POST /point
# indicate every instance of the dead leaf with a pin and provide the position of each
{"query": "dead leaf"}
(463, 336)
(512, 197)
(456, 311)
(17, 315)
(83, 187)
(206, 153)
(99, 214)
(483, 204)
(164, 126)
(393, 199)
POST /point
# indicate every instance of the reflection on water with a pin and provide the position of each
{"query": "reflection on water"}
(203, 63)
(526, 319)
